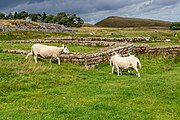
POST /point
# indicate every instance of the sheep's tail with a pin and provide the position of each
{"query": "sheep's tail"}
(139, 63)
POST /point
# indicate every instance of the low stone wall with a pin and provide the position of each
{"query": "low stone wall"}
(43, 27)
(167, 50)
(81, 40)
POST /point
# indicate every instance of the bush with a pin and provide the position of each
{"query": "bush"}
(175, 26)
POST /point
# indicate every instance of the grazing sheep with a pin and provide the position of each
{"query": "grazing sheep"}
(47, 51)
(92, 33)
(121, 63)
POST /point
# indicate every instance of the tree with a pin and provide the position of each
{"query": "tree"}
(49, 19)
(23, 15)
(15, 15)
(59, 17)
(43, 16)
(79, 22)
(34, 17)
(2, 15)
(175, 26)
(68, 20)
(72, 21)
(10, 16)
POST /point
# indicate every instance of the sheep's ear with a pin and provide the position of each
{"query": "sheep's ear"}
(63, 46)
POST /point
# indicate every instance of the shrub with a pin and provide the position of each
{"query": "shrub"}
(175, 26)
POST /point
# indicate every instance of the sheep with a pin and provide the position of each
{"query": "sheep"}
(114, 57)
(92, 33)
(47, 52)
(120, 63)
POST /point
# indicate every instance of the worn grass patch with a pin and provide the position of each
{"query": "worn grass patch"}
(69, 91)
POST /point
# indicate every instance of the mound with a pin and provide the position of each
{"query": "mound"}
(115, 21)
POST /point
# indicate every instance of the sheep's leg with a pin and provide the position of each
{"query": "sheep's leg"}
(35, 59)
(58, 60)
(112, 69)
(120, 71)
(137, 72)
(50, 60)
(28, 55)
(117, 70)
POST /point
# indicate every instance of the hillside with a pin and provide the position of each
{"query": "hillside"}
(115, 21)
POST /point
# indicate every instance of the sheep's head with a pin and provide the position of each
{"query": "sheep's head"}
(65, 49)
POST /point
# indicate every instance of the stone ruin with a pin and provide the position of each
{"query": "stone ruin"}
(167, 50)
(90, 59)
(122, 46)
(43, 27)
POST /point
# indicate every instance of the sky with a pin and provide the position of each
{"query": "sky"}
(92, 11)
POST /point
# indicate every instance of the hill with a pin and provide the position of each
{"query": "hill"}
(88, 25)
(115, 21)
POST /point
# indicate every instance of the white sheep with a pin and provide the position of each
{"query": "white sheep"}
(92, 33)
(121, 63)
(47, 52)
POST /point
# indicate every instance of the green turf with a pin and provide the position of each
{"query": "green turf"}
(71, 92)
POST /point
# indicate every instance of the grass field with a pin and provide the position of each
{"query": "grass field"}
(47, 91)
(99, 32)
(69, 91)
(71, 47)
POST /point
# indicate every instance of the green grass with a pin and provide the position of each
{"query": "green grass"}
(21, 35)
(99, 32)
(71, 47)
(69, 91)
(157, 34)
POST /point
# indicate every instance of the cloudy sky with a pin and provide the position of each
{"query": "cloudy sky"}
(93, 11)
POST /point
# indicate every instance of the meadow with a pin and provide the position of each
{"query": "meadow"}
(71, 92)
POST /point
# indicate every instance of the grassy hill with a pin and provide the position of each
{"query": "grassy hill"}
(115, 21)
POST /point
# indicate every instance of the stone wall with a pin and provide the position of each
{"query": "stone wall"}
(122, 46)
(81, 40)
(88, 59)
(43, 27)
(167, 50)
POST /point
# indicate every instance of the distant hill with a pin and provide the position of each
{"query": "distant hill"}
(115, 21)
(88, 25)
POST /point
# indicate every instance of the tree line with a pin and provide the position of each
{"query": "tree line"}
(175, 26)
(62, 18)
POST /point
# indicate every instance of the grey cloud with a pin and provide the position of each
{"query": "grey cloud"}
(10, 3)
(36, 1)
(93, 10)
